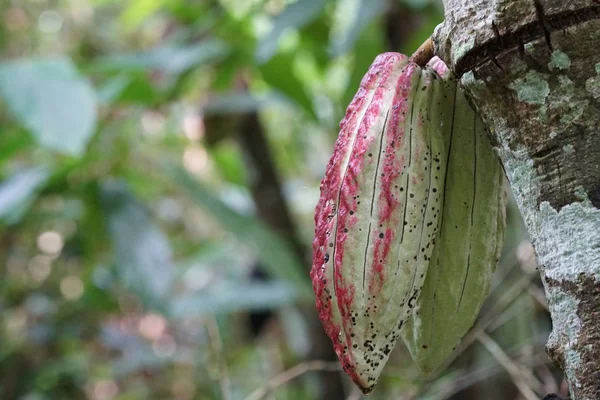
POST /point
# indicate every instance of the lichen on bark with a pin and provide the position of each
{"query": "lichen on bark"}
(531, 69)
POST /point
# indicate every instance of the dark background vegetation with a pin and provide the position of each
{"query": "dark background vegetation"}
(159, 166)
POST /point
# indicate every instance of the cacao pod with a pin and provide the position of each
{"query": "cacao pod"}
(470, 238)
(377, 217)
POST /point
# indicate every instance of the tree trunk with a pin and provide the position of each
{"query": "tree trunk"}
(532, 70)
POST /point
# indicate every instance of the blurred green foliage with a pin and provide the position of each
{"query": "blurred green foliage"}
(130, 213)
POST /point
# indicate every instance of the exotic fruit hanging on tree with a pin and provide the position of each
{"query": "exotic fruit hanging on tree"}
(380, 208)
(377, 217)
(469, 241)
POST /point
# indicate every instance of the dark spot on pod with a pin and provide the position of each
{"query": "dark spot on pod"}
(381, 235)
(412, 298)
(326, 257)
(351, 212)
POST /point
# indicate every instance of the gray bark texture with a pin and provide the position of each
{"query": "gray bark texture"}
(531, 68)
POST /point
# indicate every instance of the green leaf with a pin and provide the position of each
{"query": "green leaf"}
(50, 98)
(113, 88)
(278, 73)
(228, 296)
(132, 87)
(172, 58)
(345, 40)
(296, 15)
(142, 252)
(313, 38)
(19, 191)
(12, 141)
(276, 255)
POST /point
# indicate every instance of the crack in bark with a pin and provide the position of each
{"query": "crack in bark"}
(594, 194)
(539, 9)
(546, 24)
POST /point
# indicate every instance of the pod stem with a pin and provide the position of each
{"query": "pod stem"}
(423, 54)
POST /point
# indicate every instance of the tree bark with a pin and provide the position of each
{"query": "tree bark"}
(532, 70)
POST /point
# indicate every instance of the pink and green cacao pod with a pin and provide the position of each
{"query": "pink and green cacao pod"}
(413, 186)
(378, 214)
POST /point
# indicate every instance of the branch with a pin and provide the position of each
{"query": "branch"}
(265, 183)
(515, 371)
(293, 373)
